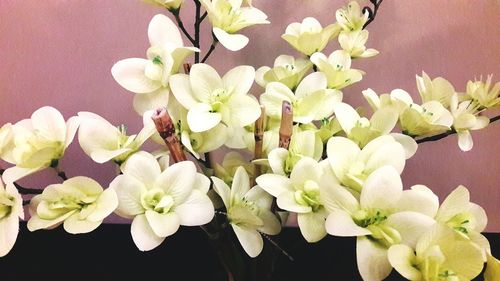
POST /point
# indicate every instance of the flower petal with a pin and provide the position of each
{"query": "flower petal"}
(142, 234)
(419, 199)
(200, 118)
(382, 189)
(223, 190)
(274, 184)
(9, 228)
(143, 167)
(250, 240)
(342, 152)
(312, 225)
(204, 81)
(106, 204)
(410, 225)
(153, 100)
(163, 32)
(232, 42)
(402, 258)
(286, 201)
(373, 264)
(163, 225)
(306, 169)
(129, 191)
(239, 80)
(244, 110)
(74, 225)
(49, 122)
(196, 210)
(180, 84)
(178, 180)
(340, 223)
(129, 73)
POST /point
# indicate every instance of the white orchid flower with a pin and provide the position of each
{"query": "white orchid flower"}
(492, 271)
(337, 68)
(397, 98)
(438, 255)
(303, 144)
(160, 201)
(483, 92)
(465, 119)
(244, 138)
(466, 218)
(286, 70)
(309, 36)
(37, 143)
(351, 18)
(248, 211)
(429, 118)
(211, 100)
(171, 5)
(80, 203)
(385, 215)
(353, 42)
(11, 210)
(103, 142)
(6, 140)
(352, 165)
(437, 89)
(300, 194)
(195, 142)
(148, 78)
(228, 17)
(311, 101)
(230, 164)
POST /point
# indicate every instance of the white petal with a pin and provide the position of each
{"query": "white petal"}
(272, 225)
(340, 223)
(391, 153)
(232, 42)
(239, 80)
(241, 183)
(312, 225)
(384, 119)
(382, 189)
(106, 204)
(410, 225)
(162, 32)
(311, 83)
(408, 143)
(342, 152)
(74, 225)
(273, 98)
(128, 190)
(196, 210)
(36, 223)
(200, 118)
(223, 190)
(71, 127)
(336, 197)
(129, 73)
(481, 220)
(346, 115)
(373, 264)
(306, 169)
(204, 81)
(15, 173)
(274, 184)
(277, 158)
(402, 258)
(455, 203)
(250, 240)
(9, 228)
(419, 199)
(178, 180)
(142, 234)
(244, 110)
(163, 225)
(153, 100)
(286, 201)
(103, 155)
(180, 84)
(49, 122)
(143, 167)
(465, 140)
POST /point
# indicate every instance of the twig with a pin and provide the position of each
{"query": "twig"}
(60, 173)
(24, 190)
(371, 13)
(205, 14)
(181, 25)
(286, 126)
(197, 24)
(448, 133)
(166, 128)
(259, 139)
(212, 48)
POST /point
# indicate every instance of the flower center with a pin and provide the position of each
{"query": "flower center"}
(156, 200)
(309, 195)
(6, 203)
(462, 223)
(245, 213)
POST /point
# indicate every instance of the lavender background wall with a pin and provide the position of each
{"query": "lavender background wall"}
(59, 53)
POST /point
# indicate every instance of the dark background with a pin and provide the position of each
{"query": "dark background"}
(109, 253)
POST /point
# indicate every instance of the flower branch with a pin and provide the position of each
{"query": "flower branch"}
(212, 48)
(372, 13)
(178, 19)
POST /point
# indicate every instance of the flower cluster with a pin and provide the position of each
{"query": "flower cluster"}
(302, 150)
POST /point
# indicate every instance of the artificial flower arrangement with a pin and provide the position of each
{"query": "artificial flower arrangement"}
(303, 151)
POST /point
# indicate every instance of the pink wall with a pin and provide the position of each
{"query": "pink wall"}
(59, 53)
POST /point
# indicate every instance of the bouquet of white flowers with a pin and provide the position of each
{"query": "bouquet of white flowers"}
(297, 150)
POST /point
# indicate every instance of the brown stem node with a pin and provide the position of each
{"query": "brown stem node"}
(166, 128)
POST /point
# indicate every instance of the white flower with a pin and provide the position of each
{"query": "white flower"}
(103, 142)
(352, 165)
(300, 194)
(230, 164)
(148, 78)
(37, 143)
(492, 272)
(385, 215)
(244, 137)
(79, 202)
(286, 70)
(11, 210)
(429, 118)
(351, 18)
(212, 100)
(172, 5)
(311, 101)
(483, 93)
(466, 218)
(248, 211)
(160, 201)
(398, 98)
(438, 89)
(438, 255)
(309, 36)
(465, 119)
(337, 68)
(228, 17)
(354, 43)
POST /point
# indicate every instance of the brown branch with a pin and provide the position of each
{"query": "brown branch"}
(166, 128)
(187, 68)
(181, 25)
(22, 189)
(215, 41)
(258, 136)
(371, 13)
(286, 126)
(449, 133)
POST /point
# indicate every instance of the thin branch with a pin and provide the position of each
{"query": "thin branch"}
(205, 14)
(448, 133)
(197, 24)
(60, 173)
(212, 48)
(371, 13)
(178, 19)
(259, 140)
(166, 128)
(24, 190)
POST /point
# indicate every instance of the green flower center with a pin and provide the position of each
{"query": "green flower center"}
(6, 203)
(309, 195)
(461, 223)
(156, 200)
